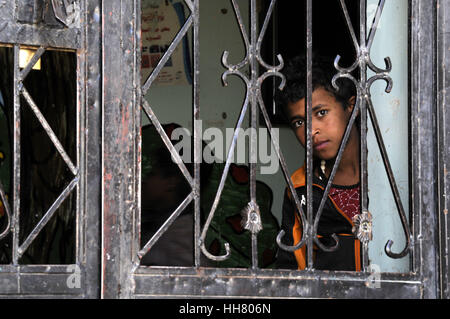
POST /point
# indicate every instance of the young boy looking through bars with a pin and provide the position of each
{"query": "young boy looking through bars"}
(331, 111)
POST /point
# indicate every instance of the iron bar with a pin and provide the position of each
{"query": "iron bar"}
(253, 150)
(245, 61)
(393, 185)
(148, 110)
(49, 131)
(223, 178)
(197, 129)
(260, 39)
(137, 95)
(308, 128)
(375, 22)
(162, 62)
(166, 225)
(16, 156)
(330, 181)
(37, 55)
(48, 215)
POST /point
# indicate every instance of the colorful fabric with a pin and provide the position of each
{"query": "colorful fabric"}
(347, 199)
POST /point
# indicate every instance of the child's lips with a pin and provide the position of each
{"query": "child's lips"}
(320, 145)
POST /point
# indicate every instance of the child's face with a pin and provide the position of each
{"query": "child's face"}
(329, 121)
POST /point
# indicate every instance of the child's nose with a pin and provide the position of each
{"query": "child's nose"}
(315, 130)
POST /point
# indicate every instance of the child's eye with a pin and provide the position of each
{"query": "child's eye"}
(322, 113)
(297, 123)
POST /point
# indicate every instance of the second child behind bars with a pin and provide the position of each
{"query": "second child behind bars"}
(331, 111)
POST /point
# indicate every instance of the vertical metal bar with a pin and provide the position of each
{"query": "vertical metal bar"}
(120, 78)
(363, 117)
(197, 129)
(79, 159)
(423, 143)
(443, 59)
(309, 150)
(253, 120)
(90, 165)
(136, 236)
(16, 157)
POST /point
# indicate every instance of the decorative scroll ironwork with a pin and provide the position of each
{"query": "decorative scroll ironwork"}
(254, 98)
(364, 103)
(20, 90)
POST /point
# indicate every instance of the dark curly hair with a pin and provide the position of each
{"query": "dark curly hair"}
(323, 71)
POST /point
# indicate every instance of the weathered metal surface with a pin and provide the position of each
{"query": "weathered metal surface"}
(443, 122)
(109, 106)
(121, 111)
(33, 22)
(35, 280)
(194, 282)
(423, 145)
(38, 27)
(235, 283)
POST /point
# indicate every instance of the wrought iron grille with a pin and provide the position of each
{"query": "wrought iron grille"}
(117, 159)
(254, 103)
(196, 281)
(53, 30)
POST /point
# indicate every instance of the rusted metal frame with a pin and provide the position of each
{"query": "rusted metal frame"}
(182, 282)
(13, 32)
(20, 249)
(38, 281)
(423, 130)
(443, 96)
(89, 150)
(121, 95)
(179, 282)
(25, 276)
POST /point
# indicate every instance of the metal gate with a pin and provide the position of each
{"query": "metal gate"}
(106, 174)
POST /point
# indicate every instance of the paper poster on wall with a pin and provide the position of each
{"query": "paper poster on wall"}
(161, 21)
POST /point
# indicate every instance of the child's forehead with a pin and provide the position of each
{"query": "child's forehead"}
(319, 96)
